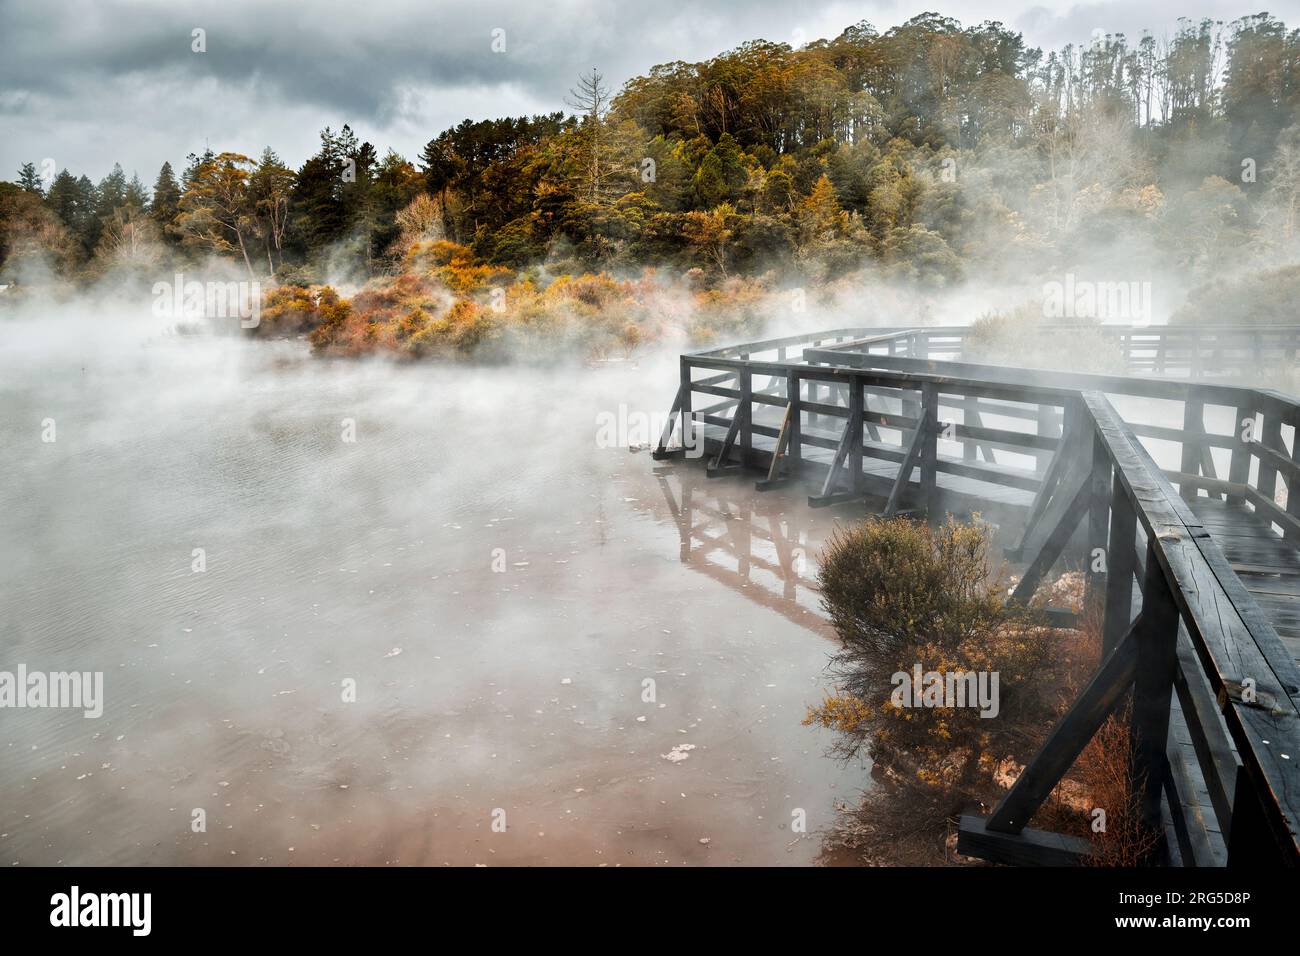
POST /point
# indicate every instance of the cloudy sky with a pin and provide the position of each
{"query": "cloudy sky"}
(90, 82)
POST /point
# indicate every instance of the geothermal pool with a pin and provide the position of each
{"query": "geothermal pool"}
(372, 651)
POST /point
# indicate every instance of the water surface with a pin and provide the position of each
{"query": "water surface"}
(372, 561)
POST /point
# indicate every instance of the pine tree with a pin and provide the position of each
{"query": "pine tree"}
(166, 201)
(111, 193)
(30, 180)
(136, 198)
(62, 198)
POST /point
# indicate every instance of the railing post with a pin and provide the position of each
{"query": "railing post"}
(1271, 437)
(1293, 484)
(687, 416)
(1251, 843)
(1239, 466)
(1046, 429)
(970, 416)
(794, 440)
(855, 422)
(1098, 517)
(747, 408)
(908, 408)
(1193, 429)
(929, 444)
(1153, 689)
(1121, 561)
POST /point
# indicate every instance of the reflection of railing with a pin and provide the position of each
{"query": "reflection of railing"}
(750, 544)
(864, 413)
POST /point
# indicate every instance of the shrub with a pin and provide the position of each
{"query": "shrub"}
(901, 593)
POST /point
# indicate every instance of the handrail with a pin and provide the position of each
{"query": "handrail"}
(1233, 641)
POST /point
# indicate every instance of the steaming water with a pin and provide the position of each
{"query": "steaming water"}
(371, 561)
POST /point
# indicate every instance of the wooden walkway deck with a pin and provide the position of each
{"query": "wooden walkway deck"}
(1200, 526)
(1267, 564)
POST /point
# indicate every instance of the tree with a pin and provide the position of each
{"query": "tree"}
(30, 180)
(31, 236)
(136, 197)
(216, 209)
(166, 200)
(721, 175)
(710, 233)
(270, 187)
(129, 238)
(110, 194)
(590, 98)
(72, 200)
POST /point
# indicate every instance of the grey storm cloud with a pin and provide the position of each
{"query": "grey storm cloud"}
(90, 82)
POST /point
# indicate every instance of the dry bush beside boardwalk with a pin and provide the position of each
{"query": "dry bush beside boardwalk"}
(901, 592)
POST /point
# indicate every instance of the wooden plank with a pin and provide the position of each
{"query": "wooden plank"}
(778, 453)
(1121, 565)
(1232, 638)
(1153, 688)
(1239, 464)
(929, 432)
(1216, 757)
(1099, 494)
(904, 473)
(856, 408)
(841, 453)
(724, 453)
(1068, 738)
(1025, 848)
(1062, 519)
(1192, 440)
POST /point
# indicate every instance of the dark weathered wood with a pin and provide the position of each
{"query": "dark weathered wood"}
(782, 441)
(1227, 576)
(904, 473)
(1061, 520)
(661, 450)
(1215, 756)
(841, 453)
(1025, 848)
(716, 467)
(1232, 639)
(1153, 688)
(1121, 564)
(1192, 440)
(1099, 494)
(1239, 465)
(1051, 482)
(929, 432)
(793, 385)
(746, 429)
(856, 409)
(1068, 738)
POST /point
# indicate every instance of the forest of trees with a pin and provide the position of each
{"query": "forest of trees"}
(930, 153)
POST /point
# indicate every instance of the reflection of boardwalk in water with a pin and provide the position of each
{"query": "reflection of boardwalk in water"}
(764, 546)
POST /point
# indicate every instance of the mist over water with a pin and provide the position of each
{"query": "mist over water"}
(372, 561)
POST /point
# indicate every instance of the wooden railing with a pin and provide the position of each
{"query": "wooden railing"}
(1190, 640)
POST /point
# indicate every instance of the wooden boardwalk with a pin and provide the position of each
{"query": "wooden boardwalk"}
(1267, 564)
(1192, 495)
